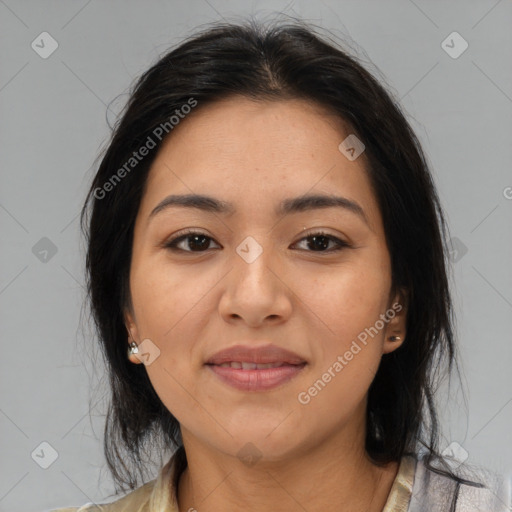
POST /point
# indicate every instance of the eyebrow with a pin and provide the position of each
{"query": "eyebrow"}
(285, 207)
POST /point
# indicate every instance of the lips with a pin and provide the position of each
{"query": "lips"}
(248, 368)
(256, 380)
(249, 358)
(252, 366)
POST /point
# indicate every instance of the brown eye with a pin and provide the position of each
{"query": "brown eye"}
(195, 241)
(318, 242)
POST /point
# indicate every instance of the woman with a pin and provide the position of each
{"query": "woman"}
(266, 240)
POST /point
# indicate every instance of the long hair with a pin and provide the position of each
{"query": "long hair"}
(273, 62)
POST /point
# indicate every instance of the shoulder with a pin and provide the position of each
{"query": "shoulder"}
(155, 495)
(469, 489)
(135, 501)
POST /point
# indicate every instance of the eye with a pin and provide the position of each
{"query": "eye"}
(199, 242)
(320, 240)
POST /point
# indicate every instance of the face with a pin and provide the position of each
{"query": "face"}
(253, 277)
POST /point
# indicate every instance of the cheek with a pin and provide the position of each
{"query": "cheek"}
(344, 302)
(349, 345)
(170, 310)
(166, 296)
(346, 307)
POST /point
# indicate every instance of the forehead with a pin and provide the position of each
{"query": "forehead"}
(254, 154)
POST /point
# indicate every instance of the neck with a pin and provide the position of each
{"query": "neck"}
(335, 476)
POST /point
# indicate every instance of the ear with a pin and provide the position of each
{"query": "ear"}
(133, 334)
(397, 323)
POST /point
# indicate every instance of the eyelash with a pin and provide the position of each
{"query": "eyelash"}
(171, 244)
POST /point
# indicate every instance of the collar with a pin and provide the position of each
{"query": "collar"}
(163, 497)
(401, 490)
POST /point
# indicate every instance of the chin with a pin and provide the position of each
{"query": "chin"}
(256, 443)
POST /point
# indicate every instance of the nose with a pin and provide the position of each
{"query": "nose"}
(257, 289)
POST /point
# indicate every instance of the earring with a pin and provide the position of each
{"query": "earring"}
(133, 349)
(394, 338)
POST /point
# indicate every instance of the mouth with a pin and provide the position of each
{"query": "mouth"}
(248, 367)
(244, 365)
(253, 377)
(259, 355)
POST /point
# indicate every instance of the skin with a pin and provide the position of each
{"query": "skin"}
(312, 301)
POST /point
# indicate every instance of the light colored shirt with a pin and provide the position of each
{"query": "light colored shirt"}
(416, 488)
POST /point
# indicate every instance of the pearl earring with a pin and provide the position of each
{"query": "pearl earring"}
(133, 349)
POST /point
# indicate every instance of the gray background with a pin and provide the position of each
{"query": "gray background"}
(53, 122)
